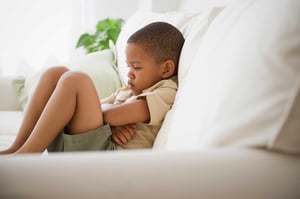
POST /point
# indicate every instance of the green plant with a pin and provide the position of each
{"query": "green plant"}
(106, 29)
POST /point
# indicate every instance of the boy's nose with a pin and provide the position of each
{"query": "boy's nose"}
(130, 74)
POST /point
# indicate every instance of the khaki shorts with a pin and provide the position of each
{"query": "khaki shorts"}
(94, 140)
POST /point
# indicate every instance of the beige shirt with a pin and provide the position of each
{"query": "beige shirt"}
(160, 98)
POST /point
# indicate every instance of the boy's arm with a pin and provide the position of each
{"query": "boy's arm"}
(132, 112)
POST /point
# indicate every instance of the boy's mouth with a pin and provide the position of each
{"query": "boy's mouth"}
(130, 84)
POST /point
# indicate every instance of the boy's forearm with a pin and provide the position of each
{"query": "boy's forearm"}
(117, 115)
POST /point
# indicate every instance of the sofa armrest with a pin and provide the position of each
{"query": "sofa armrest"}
(213, 173)
(9, 98)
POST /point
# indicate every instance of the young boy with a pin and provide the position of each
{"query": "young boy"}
(130, 118)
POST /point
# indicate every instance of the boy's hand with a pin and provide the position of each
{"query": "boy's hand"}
(122, 134)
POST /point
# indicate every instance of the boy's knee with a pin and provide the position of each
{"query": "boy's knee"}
(52, 75)
(74, 77)
(55, 72)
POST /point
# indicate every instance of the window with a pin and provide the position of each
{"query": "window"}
(36, 34)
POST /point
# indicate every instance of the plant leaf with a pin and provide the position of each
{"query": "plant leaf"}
(83, 39)
(106, 29)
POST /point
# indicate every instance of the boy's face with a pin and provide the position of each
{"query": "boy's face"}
(143, 72)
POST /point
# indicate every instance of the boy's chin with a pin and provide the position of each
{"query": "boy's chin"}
(134, 92)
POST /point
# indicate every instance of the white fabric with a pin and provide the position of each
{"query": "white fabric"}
(194, 32)
(243, 87)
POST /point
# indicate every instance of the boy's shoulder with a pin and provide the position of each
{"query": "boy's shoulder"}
(171, 83)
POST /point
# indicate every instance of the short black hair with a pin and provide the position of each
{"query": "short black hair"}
(162, 40)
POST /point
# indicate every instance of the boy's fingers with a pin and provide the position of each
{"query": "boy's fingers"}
(116, 139)
(129, 133)
(123, 134)
(132, 125)
(122, 138)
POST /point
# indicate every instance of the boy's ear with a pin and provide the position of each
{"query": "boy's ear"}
(168, 69)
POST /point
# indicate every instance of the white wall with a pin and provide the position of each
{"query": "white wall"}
(96, 10)
(101, 9)
(197, 5)
(165, 5)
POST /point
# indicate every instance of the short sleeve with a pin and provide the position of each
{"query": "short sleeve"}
(160, 101)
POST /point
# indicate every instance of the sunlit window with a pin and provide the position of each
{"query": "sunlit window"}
(36, 34)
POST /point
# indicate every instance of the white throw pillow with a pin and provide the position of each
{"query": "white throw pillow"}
(195, 29)
(243, 87)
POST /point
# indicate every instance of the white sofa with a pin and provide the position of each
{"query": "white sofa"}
(233, 131)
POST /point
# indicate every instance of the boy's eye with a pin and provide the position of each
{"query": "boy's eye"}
(137, 68)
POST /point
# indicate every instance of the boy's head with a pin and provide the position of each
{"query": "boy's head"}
(152, 54)
(161, 40)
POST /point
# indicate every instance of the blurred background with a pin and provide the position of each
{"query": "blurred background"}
(35, 34)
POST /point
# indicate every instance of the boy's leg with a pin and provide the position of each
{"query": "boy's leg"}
(74, 103)
(36, 105)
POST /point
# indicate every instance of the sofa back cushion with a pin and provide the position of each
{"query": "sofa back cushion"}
(243, 88)
(9, 98)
